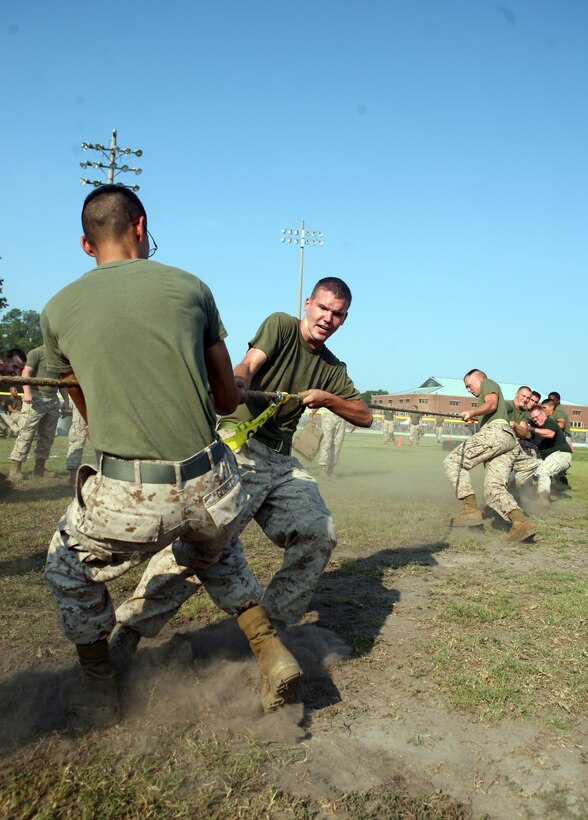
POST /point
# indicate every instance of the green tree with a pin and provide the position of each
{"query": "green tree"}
(367, 396)
(20, 328)
(3, 301)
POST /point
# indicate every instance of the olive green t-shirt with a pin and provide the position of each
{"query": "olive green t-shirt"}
(37, 361)
(415, 418)
(514, 414)
(292, 366)
(134, 331)
(560, 413)
(490, 386)
(558, 444)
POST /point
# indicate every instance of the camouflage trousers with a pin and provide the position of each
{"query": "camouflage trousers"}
(524, 466)
(113, 525)
(78, 433)
(552, 466)
(10, 423)
(333, 429)
(415, 434)
(388, 430)
(38, 418)
(285, 501)
(495, 446)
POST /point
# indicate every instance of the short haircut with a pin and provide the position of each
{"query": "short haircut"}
(524, 387)
(333, 285)
(546, 402)
(537, 395)
(475, 370)
(16, 351)
(108, 211)
(555, 396)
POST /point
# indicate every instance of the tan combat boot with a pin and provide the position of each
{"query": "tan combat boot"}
(470, 516)
(15, 474)
(39, 470)
(91, 700)
(281, 676)
(522, 529)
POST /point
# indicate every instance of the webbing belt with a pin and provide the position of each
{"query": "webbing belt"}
(162, 472)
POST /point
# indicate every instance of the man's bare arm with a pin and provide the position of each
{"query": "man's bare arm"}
(489, 405)
(246, 370)
(221, 380)
(76, 394)
(355, 411)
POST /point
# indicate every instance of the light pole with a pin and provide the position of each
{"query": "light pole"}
(300, 237)
(112, 168)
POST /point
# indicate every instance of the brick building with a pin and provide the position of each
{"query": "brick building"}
(439, 394)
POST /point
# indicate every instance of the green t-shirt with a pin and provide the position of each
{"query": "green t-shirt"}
(415, 418)
(547, 446)
(133, 332)
(37, 361)
(292, 366)
(490, 386)
(388, 415)
(560, 413)
(514, 414)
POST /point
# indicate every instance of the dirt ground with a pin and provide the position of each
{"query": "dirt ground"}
(366, 721)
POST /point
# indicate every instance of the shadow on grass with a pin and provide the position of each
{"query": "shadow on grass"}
(355, 599)
(44, 490)
(23, 565)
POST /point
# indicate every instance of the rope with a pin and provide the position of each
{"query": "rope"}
(277, 397)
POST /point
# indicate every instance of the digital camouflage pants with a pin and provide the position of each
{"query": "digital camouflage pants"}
(553, 465)
(38, 418)
(285, 501)
(495, 446)
(333, 429)
(114, 525)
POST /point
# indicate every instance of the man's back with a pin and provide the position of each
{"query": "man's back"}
(132, 331)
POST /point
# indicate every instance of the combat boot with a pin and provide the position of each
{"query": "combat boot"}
(91, 701)
(123, 645)
(40, 470)
(15, 474)
(522, 529)
(281, 676)
(470, 516)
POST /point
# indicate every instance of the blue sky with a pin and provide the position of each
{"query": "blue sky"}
(440, 145)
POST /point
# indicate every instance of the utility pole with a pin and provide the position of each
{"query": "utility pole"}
(112, 168)
(301, 237)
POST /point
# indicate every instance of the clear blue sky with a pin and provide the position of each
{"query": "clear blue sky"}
(442, 147)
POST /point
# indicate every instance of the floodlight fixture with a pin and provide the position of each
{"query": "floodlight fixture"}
(110, 165)
(302, 238)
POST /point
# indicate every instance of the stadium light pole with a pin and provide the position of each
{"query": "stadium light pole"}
(302, 238)
(112, 168)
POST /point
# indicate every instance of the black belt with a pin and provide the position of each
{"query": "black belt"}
(279, 445)
(163, 472)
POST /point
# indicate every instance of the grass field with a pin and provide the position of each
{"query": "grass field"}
(446, 671)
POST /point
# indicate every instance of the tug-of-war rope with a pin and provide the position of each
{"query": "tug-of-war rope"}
(277, 398)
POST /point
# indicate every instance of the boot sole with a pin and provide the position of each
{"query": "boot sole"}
(457, 522)
(92, 717)
(527, 536)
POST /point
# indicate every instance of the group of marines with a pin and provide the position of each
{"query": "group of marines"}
(174, 488)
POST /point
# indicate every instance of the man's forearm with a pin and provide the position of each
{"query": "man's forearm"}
(354, 411)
